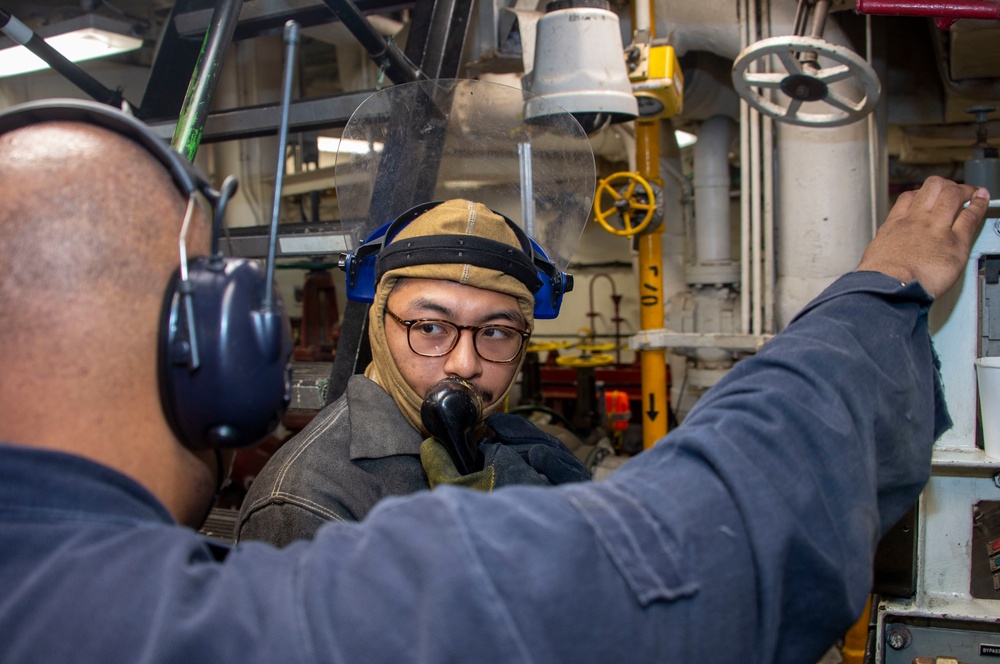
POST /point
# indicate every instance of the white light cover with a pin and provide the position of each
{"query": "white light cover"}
(349, 146)
(76, 46)
(685, 139)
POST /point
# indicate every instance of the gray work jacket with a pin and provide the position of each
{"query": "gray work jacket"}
(356, 451)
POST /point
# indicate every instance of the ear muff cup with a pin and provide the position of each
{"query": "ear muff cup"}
(229, 385)
(223, 358)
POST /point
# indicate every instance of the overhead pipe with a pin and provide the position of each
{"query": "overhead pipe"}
(383, 52)
(26, 37)
(943, 13)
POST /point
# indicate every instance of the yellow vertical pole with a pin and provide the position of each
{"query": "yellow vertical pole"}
(653, 363)
(856, 639)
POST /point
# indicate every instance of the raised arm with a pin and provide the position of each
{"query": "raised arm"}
(747, 534)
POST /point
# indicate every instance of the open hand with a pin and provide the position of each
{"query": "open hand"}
(927, 235)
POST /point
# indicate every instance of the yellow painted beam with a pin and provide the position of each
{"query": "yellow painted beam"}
(653, 363)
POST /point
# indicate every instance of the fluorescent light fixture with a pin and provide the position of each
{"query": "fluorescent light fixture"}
(684, 139)
(83, 38)
(346, 145)
(469, 184)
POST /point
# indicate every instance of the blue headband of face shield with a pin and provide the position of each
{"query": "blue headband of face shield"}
(531, 266)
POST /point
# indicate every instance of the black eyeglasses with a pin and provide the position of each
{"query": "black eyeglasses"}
(430, 337)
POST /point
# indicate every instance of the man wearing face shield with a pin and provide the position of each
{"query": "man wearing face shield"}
(454, 301)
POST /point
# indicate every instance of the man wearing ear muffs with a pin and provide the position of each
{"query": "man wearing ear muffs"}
(759, 513)
(435, 317)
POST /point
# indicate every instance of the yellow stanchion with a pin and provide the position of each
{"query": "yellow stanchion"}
(856, 639)
(653, 363)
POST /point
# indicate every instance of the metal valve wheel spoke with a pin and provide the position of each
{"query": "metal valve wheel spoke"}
(844, 103)
(834, 74)
(782, 94)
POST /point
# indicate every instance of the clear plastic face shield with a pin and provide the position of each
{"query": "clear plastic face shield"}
(426, 141)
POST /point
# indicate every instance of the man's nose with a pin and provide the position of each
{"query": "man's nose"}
(463, 360)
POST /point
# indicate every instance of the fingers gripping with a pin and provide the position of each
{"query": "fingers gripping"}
(927, 235)
(968, 220)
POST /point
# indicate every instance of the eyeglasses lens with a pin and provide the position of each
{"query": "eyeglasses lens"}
(493, 343)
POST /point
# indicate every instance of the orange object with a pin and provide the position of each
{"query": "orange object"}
(616, 404)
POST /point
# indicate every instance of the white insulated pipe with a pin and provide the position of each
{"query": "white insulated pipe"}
(823, 201)
(825, 211)
(643, 18)
(711, 190)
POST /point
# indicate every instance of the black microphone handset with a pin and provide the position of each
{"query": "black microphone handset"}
(450, 412)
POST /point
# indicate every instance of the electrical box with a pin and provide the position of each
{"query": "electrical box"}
(924, 641)
(657, 80)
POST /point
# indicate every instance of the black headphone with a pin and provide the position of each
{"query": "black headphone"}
(224, 340)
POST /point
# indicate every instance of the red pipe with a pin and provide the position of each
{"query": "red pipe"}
(945, 13)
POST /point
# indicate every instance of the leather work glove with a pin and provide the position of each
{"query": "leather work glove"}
(517, 453)
(541, 452)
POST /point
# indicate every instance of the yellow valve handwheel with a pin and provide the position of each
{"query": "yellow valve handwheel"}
(580, 361)
(546, 346)
(595, 348)
(627, 204)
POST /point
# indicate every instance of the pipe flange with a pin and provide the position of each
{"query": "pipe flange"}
(712, 274)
